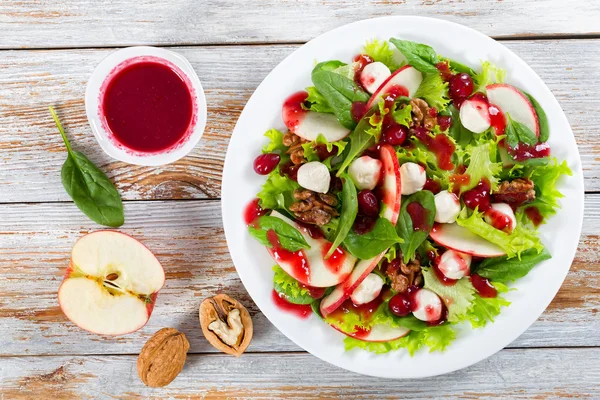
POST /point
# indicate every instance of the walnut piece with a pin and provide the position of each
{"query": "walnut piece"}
(421, 114)
(226, 324)
(314, 208)
(516, 193)
(404, 275)
(296, 151)
(162, 358)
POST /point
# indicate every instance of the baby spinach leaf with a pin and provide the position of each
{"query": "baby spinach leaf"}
(372, 243)
(91, 190)
(289, 237)
(502, 269)
(414, 236)
(517, 133)
(348, 214)
(459, 67)
(420, 56)
(339, 91)
(542, 118)
(457, 131)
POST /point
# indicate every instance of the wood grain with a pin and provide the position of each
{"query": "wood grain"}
(31, 151)
(523, 373)
(88, 23)
(187, 237)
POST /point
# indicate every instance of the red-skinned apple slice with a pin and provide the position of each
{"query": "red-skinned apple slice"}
(406, 77)
(391, 200)
(378, 333)
(510, 100)
(315, 271)
(458, 238)
(111, 284)
(309, 124)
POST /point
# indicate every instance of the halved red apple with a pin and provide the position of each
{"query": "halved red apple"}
(391, 201)
(456, 237)
(406, 77)
(310, 267)
(510, 100)
(111, 284)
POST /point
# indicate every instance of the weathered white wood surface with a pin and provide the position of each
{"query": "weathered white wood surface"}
(88, 23)
(522, 373)
(188, 239)
(31, 151)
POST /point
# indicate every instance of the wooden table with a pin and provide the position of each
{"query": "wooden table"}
(49, 49)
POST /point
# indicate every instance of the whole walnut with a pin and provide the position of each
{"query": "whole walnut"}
(162, 358)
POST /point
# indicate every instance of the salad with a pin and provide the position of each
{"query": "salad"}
(404, 196)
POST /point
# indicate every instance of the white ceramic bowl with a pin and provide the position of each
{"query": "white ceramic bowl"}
(106, 70)
(240, 185)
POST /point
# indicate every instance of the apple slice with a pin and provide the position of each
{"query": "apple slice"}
(391, 200)
(510, 100)
(111, 284)
(378, 333)
(407, 77)
(309, 266)
(309, 124)
(458, 238)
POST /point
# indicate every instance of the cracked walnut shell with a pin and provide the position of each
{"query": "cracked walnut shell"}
(226, 324)
(162, 358)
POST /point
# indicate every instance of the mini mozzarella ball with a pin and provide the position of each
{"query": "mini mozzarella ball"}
(368, 290)
(373, 75)
(314, 176)
(455, 265)
(365, 172)
(427, 306)
(447, 207)
(501, 216)
(412, 178)
(474, 115)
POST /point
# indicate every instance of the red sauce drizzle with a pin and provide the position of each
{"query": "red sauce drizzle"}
(440, 145)
(500, 220)
(364, 310)
(412, 293)
(358, 110)
(336, 260)
(293, 113)
(418, 215)
(483, 286)
(442, 278)
(300, 310)
(314, 292)
(313, 231)
(360, 332)
(296, 260)
(253, 211)
(497, 119)
(458, 181)
(361, 60)
(524, 152)
(433, 186)
(444, 69)
(392, 94)
(534, 215)
(479, 196)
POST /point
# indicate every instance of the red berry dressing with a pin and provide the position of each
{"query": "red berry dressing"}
(499, 220)
(300, 310)
(365, 311)
(361, 60)
(440, 145)
(314, 292)
(253, 211)
(358, 110)
(483, 286)
(313, 231)
(442, 278)
(293, 113)
(418, 215)
(295, 259)
(433, 186)
(265, 163)
(392, 94)
(479, 196)
(524, 152)
(368, 203)
(459, 180)
(360, 332)
(323, 153)
(444, 121)
(364, 224)
(335, 261)
(445, 71)
(497, 119)
(534, 215)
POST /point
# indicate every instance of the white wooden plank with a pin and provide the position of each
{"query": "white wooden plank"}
(85, 23)
(31, 151)
(526, 374)
(187, 237)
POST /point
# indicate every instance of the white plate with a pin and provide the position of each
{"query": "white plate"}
(241, 184)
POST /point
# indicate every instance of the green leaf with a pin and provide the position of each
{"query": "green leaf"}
(275, 144)
(260, 235)
(459, 67)
(311, 154)
(461, 135)
(372, 243)
(290, 288)
(420, 56)
(503, 269)
(347, 215)
(379, 50)
(412, 238)
(434, 91)
(485, 309)
(457, 297)
(419, 154)
(277, 192)
(489, 74)
(545, 179)
(403, 116)
(542, 118)
(91, 190)
(482, 164)
(339, 91)
(316, 101)
(289, 237)
(517, 133)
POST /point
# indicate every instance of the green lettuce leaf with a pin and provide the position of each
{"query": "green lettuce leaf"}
(403, 116)
(379, 50)
(275, 144)
(311, 155)
(434, 91)
(489, 74)
(482, 163)
(484, 309)
(316, 101)
(458, 297)
(457, 131)
(277, 192)
(546, 194)
(290, 288)
(417, 153)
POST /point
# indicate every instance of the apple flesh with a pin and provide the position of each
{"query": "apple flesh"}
(319, 272)
(392, 189)
(458, 238)
(111, 284)
(407, 77)
(510, 100)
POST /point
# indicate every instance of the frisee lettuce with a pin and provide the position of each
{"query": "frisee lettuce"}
(489, 75)
(316, 101)
(311, 155)
(277, 192)
(484, 309)
(482, 164)
(290, 288)
(403, 116)
(417, 153)
(434, 91)
(457, 297)
(380, 50)
(546, 194)
(275, 144)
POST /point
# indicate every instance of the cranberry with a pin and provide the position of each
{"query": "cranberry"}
(460, 87)
(444, 121)
(400, 304)
(368, 203)
(444, 69)
(433, 186)
(358, 110)
(265, 163)
(479, 196)
(323, 153)
(364, 224)
(395, 134)
(290, 170)
(433, 112)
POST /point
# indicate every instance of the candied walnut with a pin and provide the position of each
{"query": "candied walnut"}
(314, 208)
(515, 193)
(421, 114)
(290, 139)
(328, 199)
(296, 152)
(404, 275)
(315, 216)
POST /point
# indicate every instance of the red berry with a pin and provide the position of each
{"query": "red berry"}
(400, 304)
(323, 153)
(479, 196)
(444, 121)
(460, 87)
(395, 134)
(265, 163)
(363, 224)
(290, 170)
(368, 203)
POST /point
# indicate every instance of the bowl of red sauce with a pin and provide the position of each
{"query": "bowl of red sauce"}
(146, 106)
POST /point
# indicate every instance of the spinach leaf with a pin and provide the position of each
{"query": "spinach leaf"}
(91, 190)
(503, 269)
(289, 237)
(372, 243)
(457, 131)
(542, 119)
(339, 91)
(365, 135)
(517, 133)
(420, 56)
(414, 236)
(459, 67)
(410, 322)
(348, 214)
